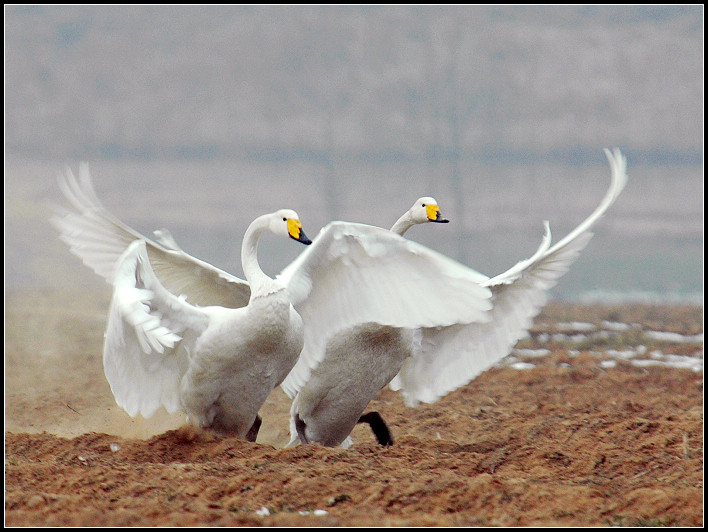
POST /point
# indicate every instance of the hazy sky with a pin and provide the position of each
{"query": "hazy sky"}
(406, 81)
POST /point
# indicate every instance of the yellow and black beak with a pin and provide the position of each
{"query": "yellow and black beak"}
(433, 212)
(295, 231)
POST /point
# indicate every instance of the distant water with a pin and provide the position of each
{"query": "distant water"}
(647, 248)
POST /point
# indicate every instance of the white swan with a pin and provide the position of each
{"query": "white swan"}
(332, 387)
(357, 364)
(216, 364)
(177, 330)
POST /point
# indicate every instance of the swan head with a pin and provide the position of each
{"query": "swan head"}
(286, 222)
(426, 209)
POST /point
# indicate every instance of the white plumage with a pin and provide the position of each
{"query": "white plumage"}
(332, 384)
(187, 336)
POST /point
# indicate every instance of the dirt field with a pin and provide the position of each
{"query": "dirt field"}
(587, 437)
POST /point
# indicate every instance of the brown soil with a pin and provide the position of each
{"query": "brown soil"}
(569, 443)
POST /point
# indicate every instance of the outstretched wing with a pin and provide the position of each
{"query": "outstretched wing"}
(553, 263)
(354, 274)
(147, 338)
(451, 357)
(99, 239)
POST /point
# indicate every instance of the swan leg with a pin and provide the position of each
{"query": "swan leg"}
(253, 431)
(300, 427)
(378, 427)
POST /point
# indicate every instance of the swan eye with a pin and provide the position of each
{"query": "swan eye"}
(423, 205)
(285, 219)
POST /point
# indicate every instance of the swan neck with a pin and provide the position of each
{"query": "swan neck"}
(249, 257)
(403, 224)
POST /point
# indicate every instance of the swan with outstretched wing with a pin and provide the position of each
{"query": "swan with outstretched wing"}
(216, 364)
(337, 375)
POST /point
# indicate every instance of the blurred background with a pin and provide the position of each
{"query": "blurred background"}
(200, 118)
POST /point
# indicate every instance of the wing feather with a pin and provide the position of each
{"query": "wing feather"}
(451, 357)
(354, 274)
(144, 357)
(98, 238)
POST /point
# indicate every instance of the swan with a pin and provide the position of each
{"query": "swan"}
(357, 364)
(216, 364)
(331, 389)
(185, 335)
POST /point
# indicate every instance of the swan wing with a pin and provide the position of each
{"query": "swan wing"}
(556, 260)
(355, 273)
(147, 339)
(99, 239)
(450, 357)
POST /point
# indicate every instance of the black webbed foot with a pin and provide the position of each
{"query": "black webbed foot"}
(378, 427)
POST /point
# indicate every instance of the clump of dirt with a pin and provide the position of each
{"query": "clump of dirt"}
(571, 442)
